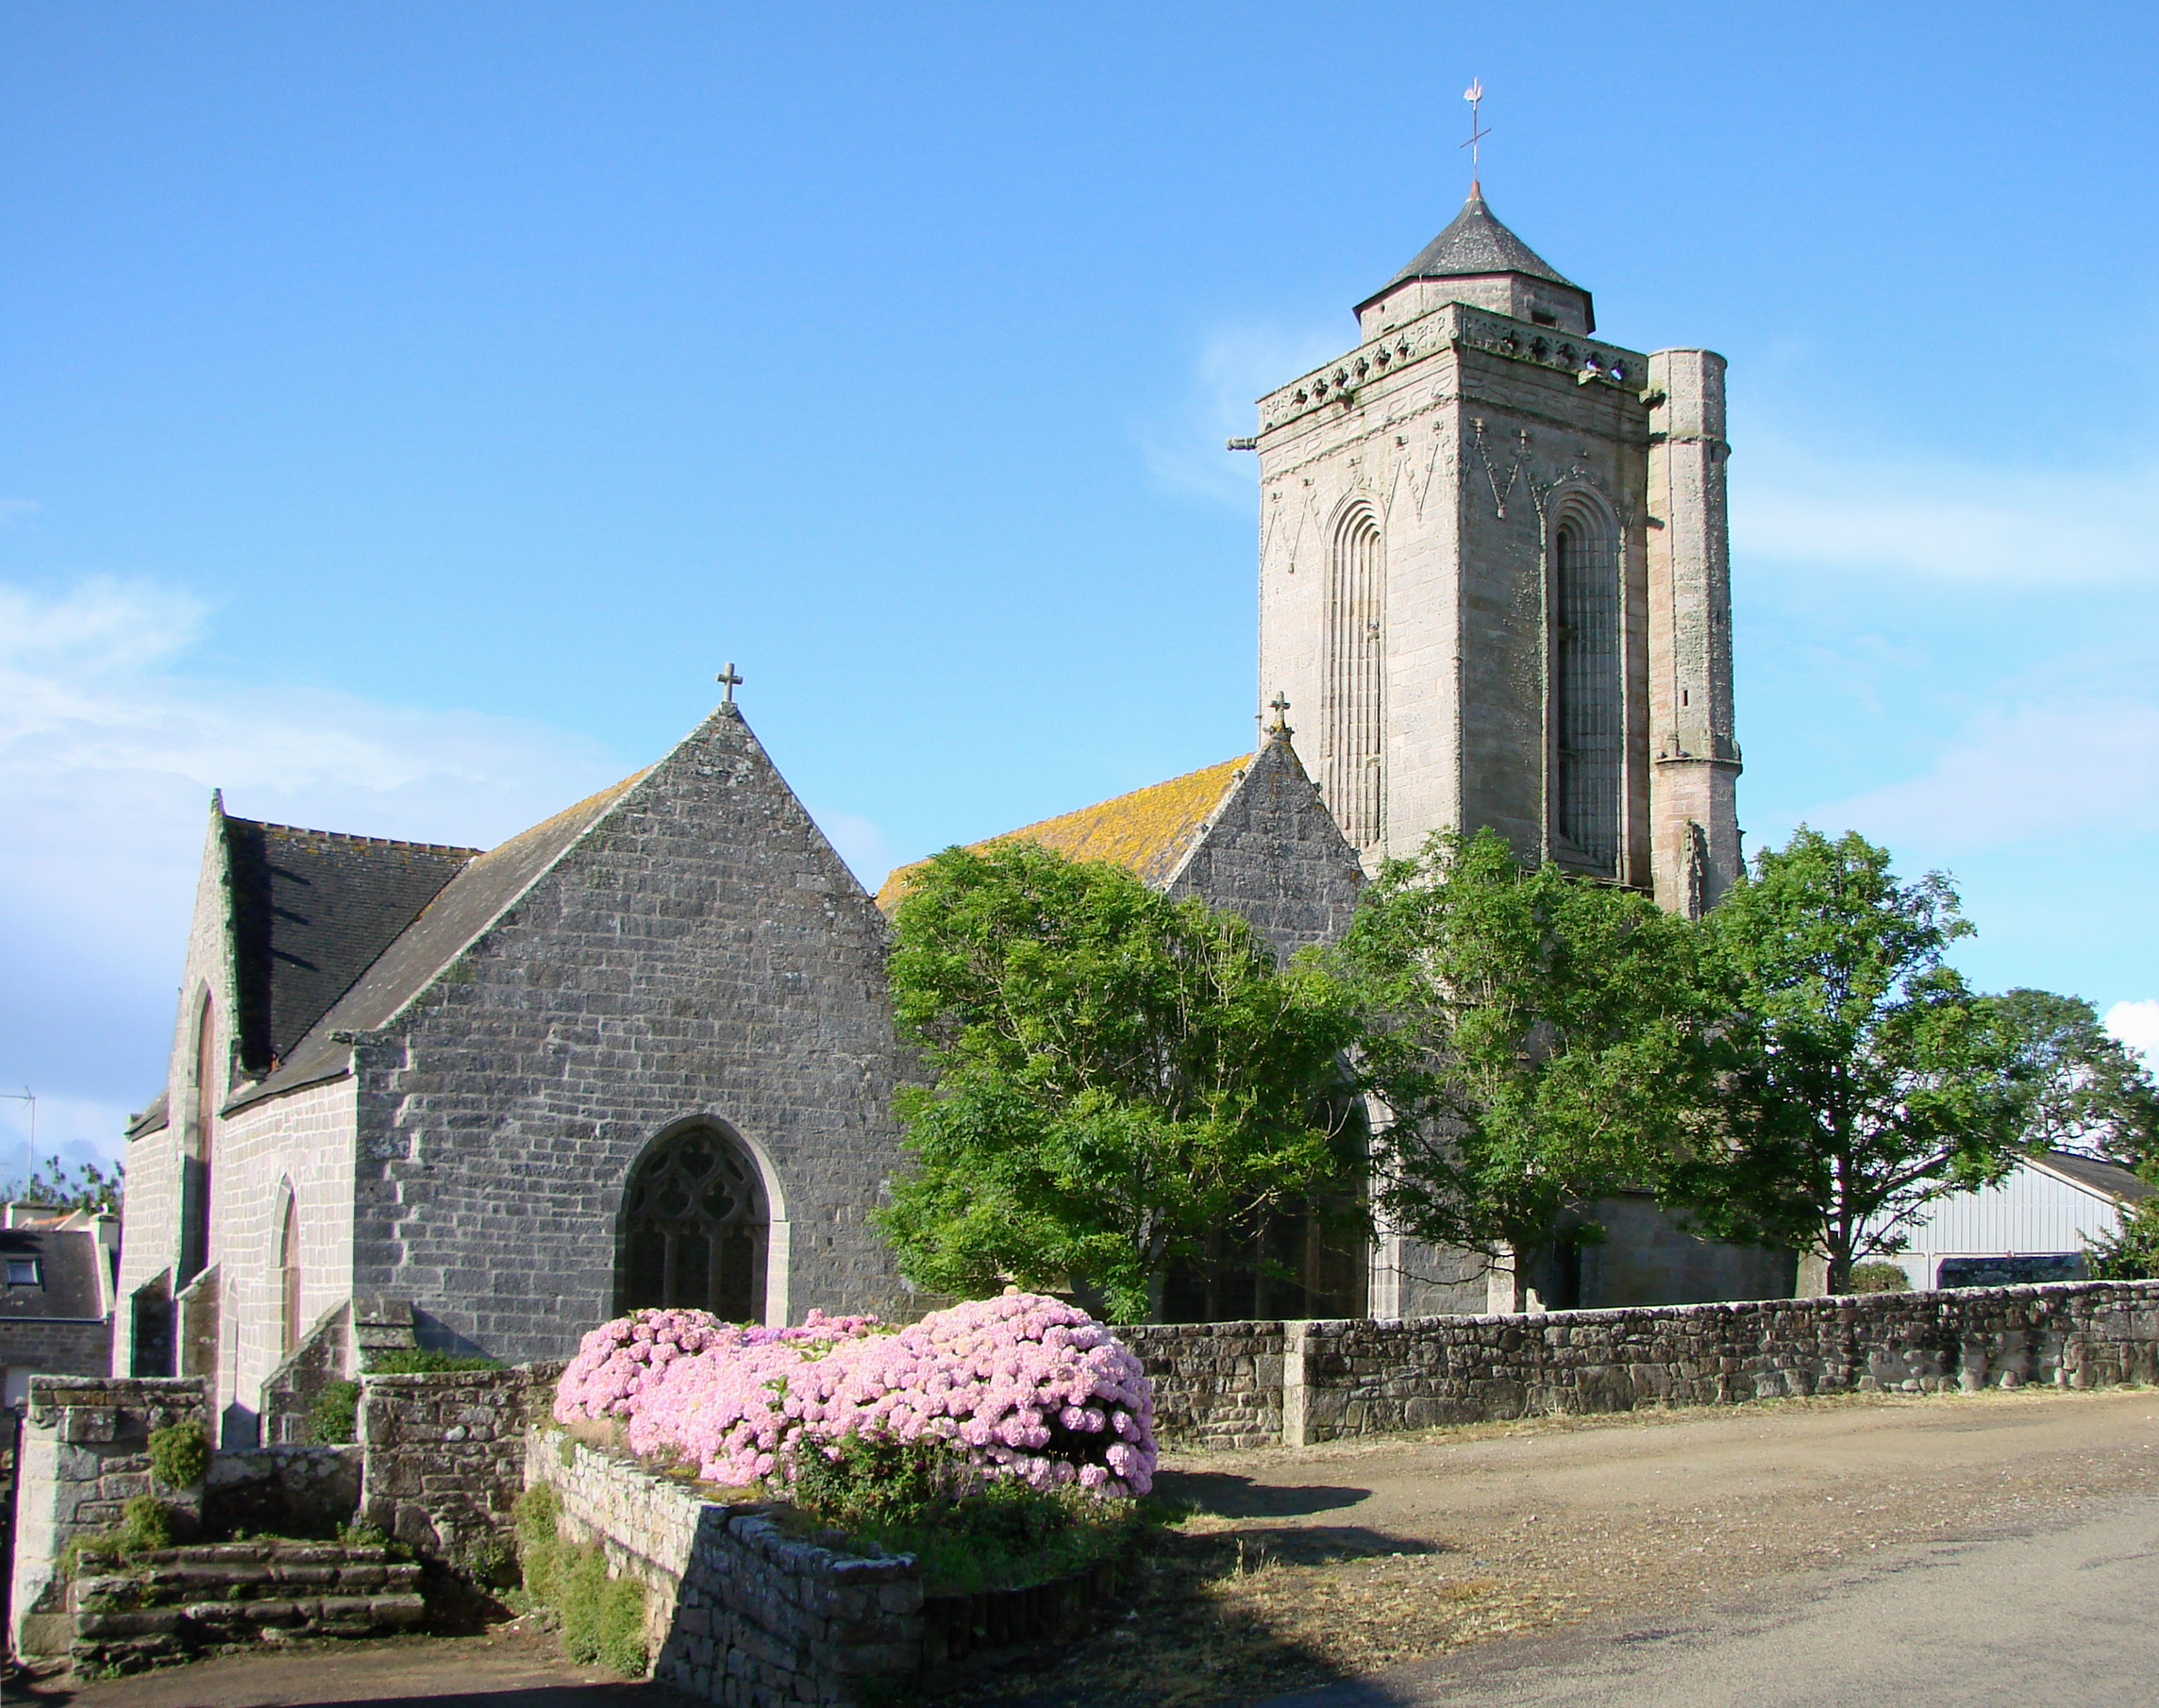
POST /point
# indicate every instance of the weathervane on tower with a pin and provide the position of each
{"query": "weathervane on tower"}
(1474, 95)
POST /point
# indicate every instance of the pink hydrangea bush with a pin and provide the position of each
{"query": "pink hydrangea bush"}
(1021, 1386)
(617, 1361)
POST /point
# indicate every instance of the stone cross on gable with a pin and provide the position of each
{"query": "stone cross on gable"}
(1279, 707)
(729, 681)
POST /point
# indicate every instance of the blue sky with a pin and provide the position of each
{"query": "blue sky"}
(409, 408)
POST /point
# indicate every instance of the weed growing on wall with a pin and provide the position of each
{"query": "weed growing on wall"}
(180, 1454)
(602, 1619)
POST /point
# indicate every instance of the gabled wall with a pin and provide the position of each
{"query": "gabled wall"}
(699, 950)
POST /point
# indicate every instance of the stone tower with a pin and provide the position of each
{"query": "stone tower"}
(1494, 578)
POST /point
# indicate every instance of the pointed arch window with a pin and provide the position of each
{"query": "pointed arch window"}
(1588, 726)
(1352, 733)
(694, 1228)
(289, 1276)
(200, 1136)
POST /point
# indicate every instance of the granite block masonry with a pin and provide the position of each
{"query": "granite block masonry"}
(85, 1453)
(1224, 1386)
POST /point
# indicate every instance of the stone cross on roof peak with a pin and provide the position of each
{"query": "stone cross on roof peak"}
(728, 682)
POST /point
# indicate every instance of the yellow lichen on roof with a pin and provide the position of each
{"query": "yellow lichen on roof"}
(1146, 832)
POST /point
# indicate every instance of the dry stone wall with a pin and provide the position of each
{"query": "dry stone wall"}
(442, 1459)
(1347, 1378)
(738, 1610)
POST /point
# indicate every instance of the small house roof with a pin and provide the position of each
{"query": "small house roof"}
(67, 1288)
(2096, 1174)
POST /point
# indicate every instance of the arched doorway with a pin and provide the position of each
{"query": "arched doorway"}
(695, 1226)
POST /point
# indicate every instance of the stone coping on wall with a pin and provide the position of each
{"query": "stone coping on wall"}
(1224, 1386)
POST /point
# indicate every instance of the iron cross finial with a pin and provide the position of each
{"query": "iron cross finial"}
(1474, 95)
(729, 681)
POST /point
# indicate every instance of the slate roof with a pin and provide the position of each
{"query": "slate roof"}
(68, 1260)
(1146, 832)
(458, 913)
(2110, 1179)
(312, 910)
(1474, 244)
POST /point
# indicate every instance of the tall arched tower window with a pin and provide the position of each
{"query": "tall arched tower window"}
(1352, 731)
(694, 1228)
(289, 1272)
(1588, 722)
(201, 1140)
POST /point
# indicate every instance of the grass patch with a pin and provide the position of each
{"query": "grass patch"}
(602, 1619)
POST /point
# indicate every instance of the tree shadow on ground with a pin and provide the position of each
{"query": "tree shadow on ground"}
(1224, 1615)
(1225, 1494)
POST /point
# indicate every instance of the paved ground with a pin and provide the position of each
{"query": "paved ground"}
(2058, 1615)
(1960, 1549)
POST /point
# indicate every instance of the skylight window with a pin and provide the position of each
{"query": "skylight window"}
(23, 1272)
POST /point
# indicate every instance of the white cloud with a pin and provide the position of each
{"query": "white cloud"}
(1235, 365)
(76, 1129)
(2136, 1024)
(108, 754)
(2026, 771)
(2004, 525)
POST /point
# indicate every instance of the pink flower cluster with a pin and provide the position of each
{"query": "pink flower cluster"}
(619, 1359)
(1022, 1385)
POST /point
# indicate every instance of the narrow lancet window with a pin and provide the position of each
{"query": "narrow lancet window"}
(1588, 727)
(289, 1273)
(201, 1146)
(1352, 733)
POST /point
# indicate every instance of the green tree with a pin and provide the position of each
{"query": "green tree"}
(1873, 1082)
(1114, 1074)
(55, 1185)
(2079, 1087)
(1544, 1039)
(2131, 1252)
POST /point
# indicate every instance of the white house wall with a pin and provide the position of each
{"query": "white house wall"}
(2029, 1213)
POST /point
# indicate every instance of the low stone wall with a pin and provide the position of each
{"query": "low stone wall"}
(737, 1610)
(168, 1604)
(1358, 1378)
(297, 1491)
(85, 1452)
(442, 1459)
(1216, 1384)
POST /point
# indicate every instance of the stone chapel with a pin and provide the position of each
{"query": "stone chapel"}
(643, 1054)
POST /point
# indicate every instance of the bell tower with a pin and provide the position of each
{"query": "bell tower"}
(1494, 576)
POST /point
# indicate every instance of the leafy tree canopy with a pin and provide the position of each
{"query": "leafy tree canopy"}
(2131, 1252)
(54, 1183)
(2079, 1087)
(1873, 1082)
(1113, 1072)
(1544, 1040)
